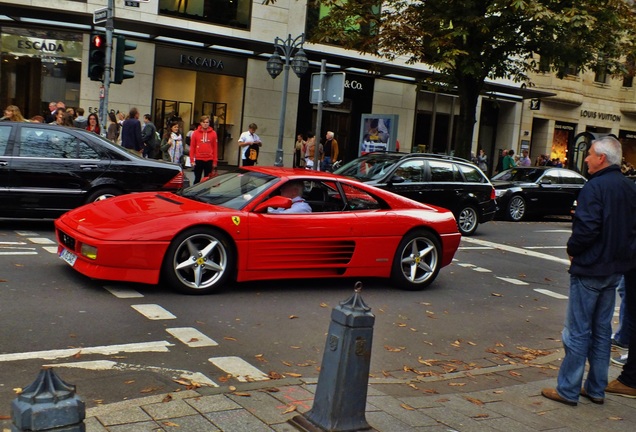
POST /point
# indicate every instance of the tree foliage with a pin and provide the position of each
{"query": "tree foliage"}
(469, 41)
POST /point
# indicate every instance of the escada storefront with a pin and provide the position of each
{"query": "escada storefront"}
(37, 67)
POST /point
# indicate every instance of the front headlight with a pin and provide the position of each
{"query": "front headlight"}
(89, 251)
(500, 192)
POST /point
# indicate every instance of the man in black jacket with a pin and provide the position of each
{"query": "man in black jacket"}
(601, 250)
(131, 132)
(149, 137)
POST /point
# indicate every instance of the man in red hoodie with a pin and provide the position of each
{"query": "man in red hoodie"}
(203, 149)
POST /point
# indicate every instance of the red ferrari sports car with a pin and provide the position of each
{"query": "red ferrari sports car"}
(224, 229)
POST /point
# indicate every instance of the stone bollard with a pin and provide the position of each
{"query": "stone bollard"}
(341, 393)
(48, 404)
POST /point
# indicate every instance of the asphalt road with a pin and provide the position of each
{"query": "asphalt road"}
(502, 300)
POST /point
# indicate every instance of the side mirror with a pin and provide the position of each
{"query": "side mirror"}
(276, 202)
(396, 179)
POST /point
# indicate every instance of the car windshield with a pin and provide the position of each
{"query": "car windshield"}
(520, 175)
(233, 190)
(369, 167)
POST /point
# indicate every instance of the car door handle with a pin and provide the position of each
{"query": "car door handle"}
(4, 163)
(88, 167)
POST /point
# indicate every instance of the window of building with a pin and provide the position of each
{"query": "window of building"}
(317, 11)
(601, 75)
(630, 65)
(231, 13)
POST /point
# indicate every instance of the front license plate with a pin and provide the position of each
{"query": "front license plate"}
(69, 257)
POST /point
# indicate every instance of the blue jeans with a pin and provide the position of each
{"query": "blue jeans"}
(325, 165)
(587, 335)
(622, 332)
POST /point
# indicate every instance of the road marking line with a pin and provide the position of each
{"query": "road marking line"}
(13, 243)
(159, 346)
(102, 365)
(466, 265)
(123, 292)
(475, 248)
(512, 281)
(191, 337)
(18, 248)
(238, 368)
(554, 231)
(18, 253)
(545, 247)
(517, 250)
(551, 293)
(153, 311)
(40, 240)
(26, 233)
(51, 249)
(482, 270)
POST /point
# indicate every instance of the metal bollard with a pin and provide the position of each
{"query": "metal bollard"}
(341, 393)
(48, 404)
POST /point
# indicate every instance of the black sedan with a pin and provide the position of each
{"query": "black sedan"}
(444, 181)
(46, 170)
(536, 191)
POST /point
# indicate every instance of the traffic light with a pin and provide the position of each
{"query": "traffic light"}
(121, 60)
(97, 57)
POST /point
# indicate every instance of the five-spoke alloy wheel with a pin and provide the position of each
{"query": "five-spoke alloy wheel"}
(199, 261)
(417, 261)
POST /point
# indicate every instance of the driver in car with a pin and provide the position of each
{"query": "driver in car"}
(294, 191)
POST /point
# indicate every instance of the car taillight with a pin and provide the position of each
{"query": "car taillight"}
(492, 194)
(175, 183)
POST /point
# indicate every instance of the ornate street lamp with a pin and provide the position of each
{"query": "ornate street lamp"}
(275, 66)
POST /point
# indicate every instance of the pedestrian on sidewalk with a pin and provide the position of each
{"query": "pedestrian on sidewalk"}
(204, 149)
(600, 251)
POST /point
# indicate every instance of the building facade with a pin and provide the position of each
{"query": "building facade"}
(209, 57)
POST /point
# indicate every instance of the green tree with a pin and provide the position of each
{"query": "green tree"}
(469, 41)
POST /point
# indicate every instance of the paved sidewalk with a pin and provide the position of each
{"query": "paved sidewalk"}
(428, 404)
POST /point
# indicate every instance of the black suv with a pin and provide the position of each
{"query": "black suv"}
(444, 181)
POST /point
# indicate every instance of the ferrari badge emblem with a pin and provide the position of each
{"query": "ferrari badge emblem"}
(236, 220)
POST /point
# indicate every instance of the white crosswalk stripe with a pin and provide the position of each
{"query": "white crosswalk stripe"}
(153, 311)
(191, 337)
(239, 369)
(121, 292)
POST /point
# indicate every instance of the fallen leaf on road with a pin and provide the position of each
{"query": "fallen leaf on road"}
(498, 391)
(193, 340)
(229, 338)
(425, 303)
(286, 363)
(480, 416)
(77, 354)
(392, 349)
(496, 294)
(294, 347)
(292, 317)
(274, 375)
(442, 400)
(149, 390)
(293, 374)
(407, 407)
(168, 398)
(225, 378)
(454, 384)
(401, 325)
(170, 424)
(430, 391)
(129, 382)
(473, 400)
(242, 394)
(413, 386)
(471, 343)
(324, 305)
(182, 382)
(270, 390)
(232, 388)
(290, 408)
(615, 418)
(17, 390)
(513, 373)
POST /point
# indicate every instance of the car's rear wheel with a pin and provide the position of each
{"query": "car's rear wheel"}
(417, 261)
(102, 194)
(516, 208)
(199, 261)
(467, 221)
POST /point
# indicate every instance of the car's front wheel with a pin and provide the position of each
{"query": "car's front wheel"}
(417, 261)
(516, 208)
(467, 221)
(102, 194)
(199, 261)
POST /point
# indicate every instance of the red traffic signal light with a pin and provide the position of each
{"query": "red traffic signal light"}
(97, 57)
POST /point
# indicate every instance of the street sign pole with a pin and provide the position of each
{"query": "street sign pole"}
(323, 72)
(103, 113)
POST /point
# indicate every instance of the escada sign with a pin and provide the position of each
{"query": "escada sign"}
(202, 62)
